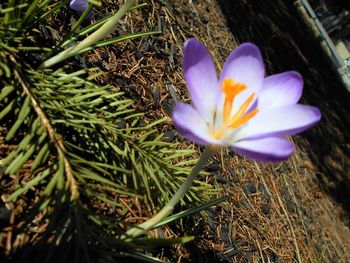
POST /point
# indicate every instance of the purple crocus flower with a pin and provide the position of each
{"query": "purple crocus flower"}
(80, 6)
(242, 109)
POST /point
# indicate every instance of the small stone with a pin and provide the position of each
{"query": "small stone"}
(249, 188)
(265, 208)
(162, 54)
(290, 206)
(174, 95)
(139, 55)
(121, 82)
(213, 167)
(157, 96)
(221, 180)
(168, 106)
(169, 136)
(204, 20)
(231, 152)
(81, 60)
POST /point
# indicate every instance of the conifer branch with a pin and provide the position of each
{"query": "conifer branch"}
(58, 142)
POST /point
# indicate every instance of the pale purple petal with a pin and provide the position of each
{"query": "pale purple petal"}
(191, 125)
(244, 65)
(79, 6)
(280, 90)
(266, 149)
(201, 78)
(286, 120)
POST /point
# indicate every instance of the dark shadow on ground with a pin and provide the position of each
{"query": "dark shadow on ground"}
(287, 43)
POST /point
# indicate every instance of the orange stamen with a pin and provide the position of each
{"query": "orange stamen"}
(242, 110)
(243, 119)
(231, 90)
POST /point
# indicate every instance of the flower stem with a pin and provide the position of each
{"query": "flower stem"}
(169, 207)
(107, 28)
(81, 18)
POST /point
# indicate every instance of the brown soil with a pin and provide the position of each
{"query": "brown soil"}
(285, 212)
(288, 212)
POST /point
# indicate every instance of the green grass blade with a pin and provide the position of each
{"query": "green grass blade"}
(189, 212)
(114, 40)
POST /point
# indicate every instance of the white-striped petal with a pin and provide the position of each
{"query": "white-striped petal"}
(266, 149)
(286, 120)
(280, 90)
(201, 78)
(191, 125)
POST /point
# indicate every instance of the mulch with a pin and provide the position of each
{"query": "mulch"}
(276, 212)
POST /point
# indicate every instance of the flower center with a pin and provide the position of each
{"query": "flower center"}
(231, 89)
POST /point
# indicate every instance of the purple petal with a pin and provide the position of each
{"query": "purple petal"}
(280, 90)
(79, 5)
(267, 149)
(201, 78)
(286, 120)
(190, 124)
(244, 65)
